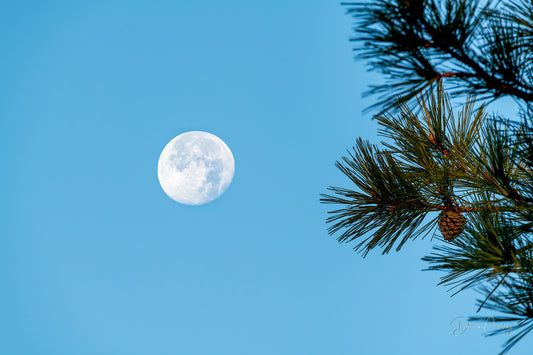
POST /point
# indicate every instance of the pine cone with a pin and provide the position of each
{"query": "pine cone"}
(451, 224)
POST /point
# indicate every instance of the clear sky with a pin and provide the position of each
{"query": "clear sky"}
(96, 259)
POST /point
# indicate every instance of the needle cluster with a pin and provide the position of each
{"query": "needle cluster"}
(463, 177)
(481, 47)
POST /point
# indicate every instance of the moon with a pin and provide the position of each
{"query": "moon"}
(195, 168)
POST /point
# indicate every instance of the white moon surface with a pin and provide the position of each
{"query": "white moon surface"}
(195, 168)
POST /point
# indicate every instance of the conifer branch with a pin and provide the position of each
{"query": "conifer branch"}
(466, 175)
(471, 43)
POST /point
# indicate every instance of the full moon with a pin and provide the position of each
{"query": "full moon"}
(195, 168)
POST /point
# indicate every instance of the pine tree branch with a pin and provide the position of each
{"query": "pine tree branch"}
(472, 46)
(475, 173)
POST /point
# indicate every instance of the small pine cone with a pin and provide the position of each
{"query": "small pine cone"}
(451, 224)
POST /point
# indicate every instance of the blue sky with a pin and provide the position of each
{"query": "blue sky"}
(96, 259)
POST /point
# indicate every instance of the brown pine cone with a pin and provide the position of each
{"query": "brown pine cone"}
(451, 224)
